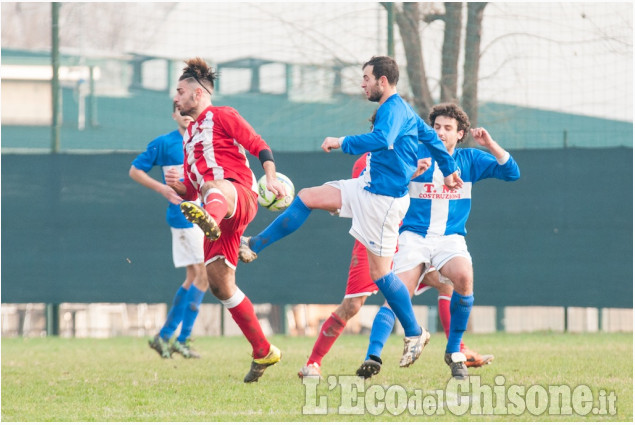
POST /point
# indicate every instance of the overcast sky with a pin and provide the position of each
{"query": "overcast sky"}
(572, 57)
(575, 57)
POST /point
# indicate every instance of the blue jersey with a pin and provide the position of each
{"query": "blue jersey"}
(393, 148)
(165, 151)
(436, 210)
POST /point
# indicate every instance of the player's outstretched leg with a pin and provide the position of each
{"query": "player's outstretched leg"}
(286, 223)
(197, 215)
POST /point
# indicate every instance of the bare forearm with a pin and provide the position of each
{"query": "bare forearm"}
(144, 179)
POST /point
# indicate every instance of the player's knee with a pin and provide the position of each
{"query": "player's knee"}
(306, 197)
(463, 286)
(349, 308)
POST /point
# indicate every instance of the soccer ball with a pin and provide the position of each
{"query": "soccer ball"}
(268, 199)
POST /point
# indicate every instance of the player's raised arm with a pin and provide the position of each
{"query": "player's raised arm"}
(330, 143)
(483, 138)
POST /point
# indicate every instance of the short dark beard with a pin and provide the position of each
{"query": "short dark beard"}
(190, 112)
(375, 96)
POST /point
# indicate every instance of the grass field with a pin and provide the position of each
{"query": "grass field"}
(121, 379)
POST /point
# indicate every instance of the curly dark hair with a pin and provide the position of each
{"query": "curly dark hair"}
(451, 110)
(372, 120)
(198, 69)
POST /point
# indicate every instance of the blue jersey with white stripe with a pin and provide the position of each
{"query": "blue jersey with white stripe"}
(393, 148)
(436, 210)
(165, 151)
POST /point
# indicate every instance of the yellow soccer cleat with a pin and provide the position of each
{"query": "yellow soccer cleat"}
(197, 215)
(258, 366)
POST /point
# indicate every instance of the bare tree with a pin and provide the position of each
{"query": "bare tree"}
(472, 57)
(450, 52)
(408, 16)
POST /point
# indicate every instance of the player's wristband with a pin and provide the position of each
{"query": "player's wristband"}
(265, 155)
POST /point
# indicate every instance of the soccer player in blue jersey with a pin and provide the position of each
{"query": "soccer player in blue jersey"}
(378, 200)
(166, 151)
(433, 231)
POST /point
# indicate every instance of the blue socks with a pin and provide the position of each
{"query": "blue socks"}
(460, 308)
(398, 298)
(193, 300)
(175, 315)
(286, 223)
(380, 331)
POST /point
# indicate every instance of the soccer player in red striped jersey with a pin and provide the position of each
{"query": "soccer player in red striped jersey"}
(217, 169)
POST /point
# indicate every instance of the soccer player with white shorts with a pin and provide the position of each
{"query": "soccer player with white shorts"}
(433, 230)
(378, 200)
(166, 151)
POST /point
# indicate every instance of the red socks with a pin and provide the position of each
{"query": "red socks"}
(245, 317)
(331, 329)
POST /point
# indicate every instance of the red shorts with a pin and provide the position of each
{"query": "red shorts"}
(359, 282)
(232, 228)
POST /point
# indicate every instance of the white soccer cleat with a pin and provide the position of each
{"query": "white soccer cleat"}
(245, 254)
(310, 370)
(413, 346)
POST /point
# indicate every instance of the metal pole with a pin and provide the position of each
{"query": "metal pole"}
(52, 319)
(93, 99)
(55, 81)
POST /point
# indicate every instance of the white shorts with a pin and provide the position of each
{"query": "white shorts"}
(432, 251)
(376, 218)
(187, 246)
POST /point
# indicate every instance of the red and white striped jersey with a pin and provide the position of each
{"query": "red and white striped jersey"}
(215, 147)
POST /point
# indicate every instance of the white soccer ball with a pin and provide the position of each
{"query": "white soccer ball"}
(268, 199)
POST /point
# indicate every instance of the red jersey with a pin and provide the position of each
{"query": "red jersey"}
(215, 147)
(359, 165)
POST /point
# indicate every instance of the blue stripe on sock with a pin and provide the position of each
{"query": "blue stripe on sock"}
(398, 298)
(460, 308)
(193, 300)
(175, 314)
(380, 331)
(286, 223)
